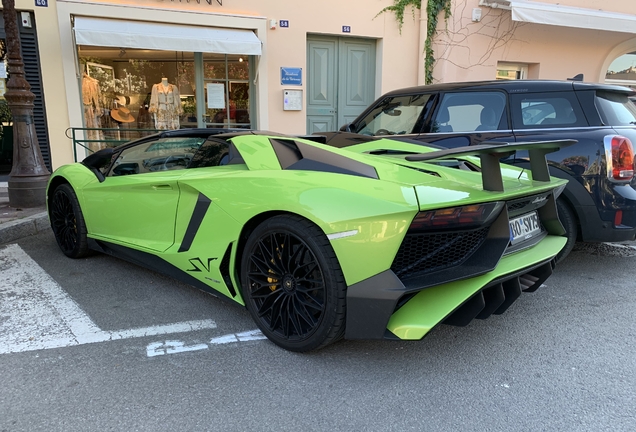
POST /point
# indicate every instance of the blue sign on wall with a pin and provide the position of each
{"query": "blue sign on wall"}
(291, 76)
(284, 23)
(42, 3)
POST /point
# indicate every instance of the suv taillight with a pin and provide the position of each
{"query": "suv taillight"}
(619, 154)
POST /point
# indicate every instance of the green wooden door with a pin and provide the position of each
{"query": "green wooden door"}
(340, 80)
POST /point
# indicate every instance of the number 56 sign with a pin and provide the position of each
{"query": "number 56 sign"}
(42, 3)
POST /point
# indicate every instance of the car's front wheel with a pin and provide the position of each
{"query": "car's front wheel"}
(67, 222)
(292, 284)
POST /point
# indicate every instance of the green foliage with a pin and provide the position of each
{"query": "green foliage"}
(433, 9)
(398, 8)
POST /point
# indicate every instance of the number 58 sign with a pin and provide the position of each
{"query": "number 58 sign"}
(42, 3)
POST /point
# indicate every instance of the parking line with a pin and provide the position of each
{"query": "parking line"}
(247, 336)
(36, 313)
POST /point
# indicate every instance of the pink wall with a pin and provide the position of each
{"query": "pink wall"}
(469, 51)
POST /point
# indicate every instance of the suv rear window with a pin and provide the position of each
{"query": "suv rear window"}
(545, 111)
(616, 109)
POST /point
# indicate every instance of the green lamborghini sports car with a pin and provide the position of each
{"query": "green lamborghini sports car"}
(377, 239)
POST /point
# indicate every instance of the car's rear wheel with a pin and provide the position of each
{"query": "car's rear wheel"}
(67, 222)
(568, 220)
(292, 284)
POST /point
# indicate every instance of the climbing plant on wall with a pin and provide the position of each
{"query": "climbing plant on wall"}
(433, 10)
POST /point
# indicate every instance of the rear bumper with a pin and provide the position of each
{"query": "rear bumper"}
(595, 229)
(598, 221)
(372, 305)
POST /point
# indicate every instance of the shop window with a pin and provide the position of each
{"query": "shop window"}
(226, 86)
(129, 93)
(511, 71)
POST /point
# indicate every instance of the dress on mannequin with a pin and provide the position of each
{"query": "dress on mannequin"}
(91, 96)
(165, 104)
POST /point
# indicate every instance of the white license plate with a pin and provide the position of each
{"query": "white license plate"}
(524, 227)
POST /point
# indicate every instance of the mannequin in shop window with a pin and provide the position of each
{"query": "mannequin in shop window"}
(144, 118)
(165, 105)
(91, 96)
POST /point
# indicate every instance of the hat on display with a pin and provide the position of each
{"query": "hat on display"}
(122, 100)
(122, 115)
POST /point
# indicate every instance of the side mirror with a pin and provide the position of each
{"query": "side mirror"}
(346, 128)
(98, 160)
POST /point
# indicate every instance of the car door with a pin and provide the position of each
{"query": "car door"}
(463, 118)
(137, 202)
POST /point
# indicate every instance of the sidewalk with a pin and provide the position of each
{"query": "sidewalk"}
(16, 223)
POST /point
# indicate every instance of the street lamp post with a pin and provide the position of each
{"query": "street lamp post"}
(29, 175)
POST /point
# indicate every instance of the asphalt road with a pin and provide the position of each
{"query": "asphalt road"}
(560, 359)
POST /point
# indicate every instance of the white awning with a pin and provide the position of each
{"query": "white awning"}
(166, 37)
(568, 16)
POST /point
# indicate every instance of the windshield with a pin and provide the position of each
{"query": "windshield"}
(395, 115)
(616, 109)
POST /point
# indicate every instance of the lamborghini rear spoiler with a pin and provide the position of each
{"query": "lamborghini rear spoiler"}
(491, 153)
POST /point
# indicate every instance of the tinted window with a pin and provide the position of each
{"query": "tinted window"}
(470, 112)
(160, 155)
(550, 110)
(216, 152)
(616, 109)
(394, 116)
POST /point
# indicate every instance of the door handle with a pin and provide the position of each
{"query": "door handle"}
(162, 187)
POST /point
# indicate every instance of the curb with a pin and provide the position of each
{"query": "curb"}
(19, 228)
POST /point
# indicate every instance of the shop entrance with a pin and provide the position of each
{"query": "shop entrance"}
(340, 80)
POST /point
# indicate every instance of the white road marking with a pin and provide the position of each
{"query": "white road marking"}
(620, 246)
(36, 313)
(174, 346)
(238, 337)
(171, 347)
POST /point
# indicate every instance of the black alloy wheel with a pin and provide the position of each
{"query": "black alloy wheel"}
(292, 284)
(67, 222)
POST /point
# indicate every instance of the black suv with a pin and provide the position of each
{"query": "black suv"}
(599, 202)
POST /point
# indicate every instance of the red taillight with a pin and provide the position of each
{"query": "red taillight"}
(456, 217)
(621, 165)
(618, 218)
